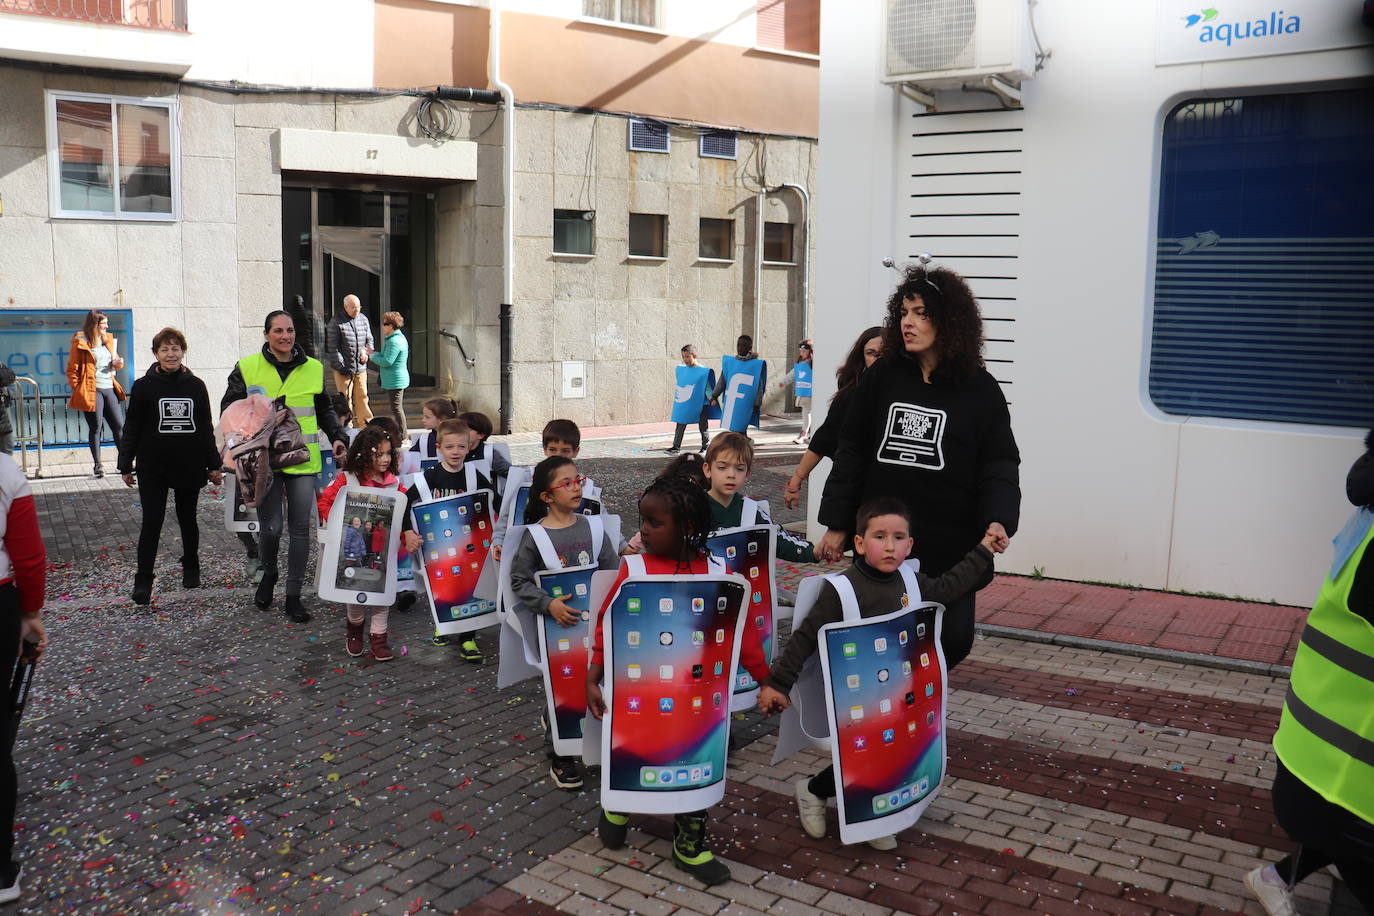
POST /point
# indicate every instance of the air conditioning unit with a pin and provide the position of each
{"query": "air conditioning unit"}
(947, 43)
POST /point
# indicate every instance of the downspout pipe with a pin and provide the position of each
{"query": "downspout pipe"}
(805, 256)
(505, 317)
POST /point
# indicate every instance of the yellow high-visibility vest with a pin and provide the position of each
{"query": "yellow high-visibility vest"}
(300, 387)
(1326, 733)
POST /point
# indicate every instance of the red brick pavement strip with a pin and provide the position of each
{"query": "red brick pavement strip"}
(506, 901)
(1213, 626)
(1140, 704)
(1230, 810)
(926, 874)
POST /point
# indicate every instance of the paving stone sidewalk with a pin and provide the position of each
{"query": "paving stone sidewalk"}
(203, 756)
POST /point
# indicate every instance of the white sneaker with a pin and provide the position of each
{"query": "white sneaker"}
(10, 892)
(1274, 897)
(883, 843)
(811, 809)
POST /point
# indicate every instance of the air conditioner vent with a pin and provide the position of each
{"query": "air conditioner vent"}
(719, 144)
(648, 137)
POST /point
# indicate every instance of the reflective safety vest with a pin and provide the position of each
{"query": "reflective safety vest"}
(1326, 733)
(300, 387)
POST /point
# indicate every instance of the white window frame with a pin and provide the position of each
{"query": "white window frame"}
(53, 96)
(653, 26)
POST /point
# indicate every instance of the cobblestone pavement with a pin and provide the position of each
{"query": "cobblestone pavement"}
(201, 756)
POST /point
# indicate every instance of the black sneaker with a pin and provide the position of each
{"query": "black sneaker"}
(612, 828)
(295, 610)
(565, 772)
(143, 589)
(190, 574)
(10, 874)
(468, 651)
(263, 596)
(690, 853)
(671, 451)
(404, 602)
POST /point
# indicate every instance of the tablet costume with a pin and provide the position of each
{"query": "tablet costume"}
(691, 401)
(749, 548)
(743, 381)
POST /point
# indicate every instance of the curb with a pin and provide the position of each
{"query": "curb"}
(1242, 665)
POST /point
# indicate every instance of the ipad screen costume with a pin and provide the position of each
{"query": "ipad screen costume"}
(740, 390)
(691, 400)
(750, 551)
(542, 565)
(456, 527)
(670, 643)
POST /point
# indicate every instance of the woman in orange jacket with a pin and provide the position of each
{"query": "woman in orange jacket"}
(90, 371)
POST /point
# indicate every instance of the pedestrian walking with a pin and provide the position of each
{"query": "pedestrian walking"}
(91, 365)
(801, 374)
(282, 370)
(393, 361)
(349, 342)
(168, 444)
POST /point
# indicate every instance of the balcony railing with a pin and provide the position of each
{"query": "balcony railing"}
(168, 15)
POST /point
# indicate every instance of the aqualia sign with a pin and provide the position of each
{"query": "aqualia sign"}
(1190, 33)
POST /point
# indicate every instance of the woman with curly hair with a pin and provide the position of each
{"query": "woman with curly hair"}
(929, 425)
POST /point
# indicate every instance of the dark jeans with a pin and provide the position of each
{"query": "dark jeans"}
(301, 517)
(682, 428)
(1325, 833)
(393, 400)
(9, 781)
(152, 493)
(105, 403)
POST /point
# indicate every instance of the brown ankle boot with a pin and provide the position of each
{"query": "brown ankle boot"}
(380, 651)
(355, 638)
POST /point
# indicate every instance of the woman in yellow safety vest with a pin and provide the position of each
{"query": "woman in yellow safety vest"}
(1324, 781)
(282, 369)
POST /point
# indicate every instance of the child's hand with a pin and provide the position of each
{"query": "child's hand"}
(772, 701)
(411, 540)
(596, 704)
(496, 552)
(996, 539)
(559, 611)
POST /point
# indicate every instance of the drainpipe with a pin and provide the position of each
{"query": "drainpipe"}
(805, 256)
(758, 268)
(505, 317)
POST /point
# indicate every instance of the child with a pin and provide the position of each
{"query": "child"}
(690, 360)
(728, 463)
(562, 439)
(882, 542)
(436, 411)
(690, 466)
(555, 493)
(369, 459)
(481, 427)
(674, 523)
(801, 373)
(448, 478)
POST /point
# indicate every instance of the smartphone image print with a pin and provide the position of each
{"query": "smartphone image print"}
(565, 651)
(456, 543)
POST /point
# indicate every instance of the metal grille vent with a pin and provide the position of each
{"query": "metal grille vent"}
(925, 35)
(719, 144)
(648, 137)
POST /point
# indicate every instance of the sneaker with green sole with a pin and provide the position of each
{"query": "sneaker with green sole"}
(469, 652)
(690, 853)
(438, 640)
(612, 829)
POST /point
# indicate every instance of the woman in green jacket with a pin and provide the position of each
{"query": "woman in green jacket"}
(392, 360)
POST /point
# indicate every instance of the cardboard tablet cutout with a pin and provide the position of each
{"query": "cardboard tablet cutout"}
(885, 694)
(565, 650)
(749, 552)
(517, 496)
(670, 645)
(744, 378)
(459, 581)
(237, 515)
(602, 582)
(350, 570)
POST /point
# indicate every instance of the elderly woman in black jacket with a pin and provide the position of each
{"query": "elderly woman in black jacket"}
(929, 425)
(168, 444)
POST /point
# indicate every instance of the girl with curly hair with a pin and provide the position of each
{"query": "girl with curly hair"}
(929, 424)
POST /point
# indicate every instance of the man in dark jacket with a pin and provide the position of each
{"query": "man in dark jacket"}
(349, 344)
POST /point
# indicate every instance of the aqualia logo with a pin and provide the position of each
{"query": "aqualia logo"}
(1227, 32)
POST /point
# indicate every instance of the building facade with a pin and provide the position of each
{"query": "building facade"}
(1170, 237)
(199, 171)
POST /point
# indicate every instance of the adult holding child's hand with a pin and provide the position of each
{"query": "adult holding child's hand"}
(929, 425)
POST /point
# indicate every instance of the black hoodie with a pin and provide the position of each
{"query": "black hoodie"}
(168, 431)
(1359, 483)
(945, 448)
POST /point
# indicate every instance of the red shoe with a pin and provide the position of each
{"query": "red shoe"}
(355, 638)
(380, 651)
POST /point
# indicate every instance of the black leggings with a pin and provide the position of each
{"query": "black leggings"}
(9, 782)
(152, 492)
(1326, 834)
(108, 404)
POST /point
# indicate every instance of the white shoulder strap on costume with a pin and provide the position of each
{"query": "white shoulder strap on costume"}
(545, 545)
(351, 479)
(422, 488)
(749, 512)
(470, 477)
(716, 565)
(634, 565)
(849, 601)
(598, 526)
(913, 588)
